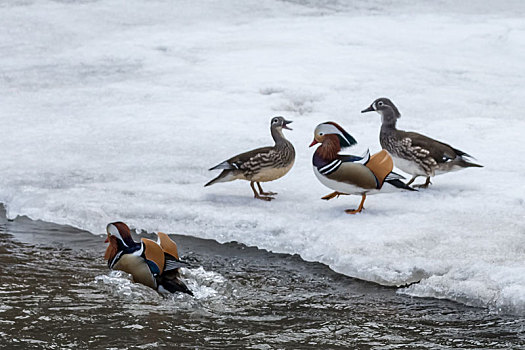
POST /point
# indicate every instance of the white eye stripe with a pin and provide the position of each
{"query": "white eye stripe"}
(113, 230)
(326, 129)
(329, 129)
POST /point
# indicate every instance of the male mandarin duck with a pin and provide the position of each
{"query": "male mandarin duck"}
(416, 154)
(154, 264)
(348, 174)
(261, 164)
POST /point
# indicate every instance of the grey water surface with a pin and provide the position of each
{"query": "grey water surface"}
(57, 293)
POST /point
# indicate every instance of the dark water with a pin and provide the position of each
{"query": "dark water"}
(56, 293)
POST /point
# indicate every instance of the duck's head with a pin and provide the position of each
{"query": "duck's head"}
(121, 232)
(280, 123)
(334, 133)
(383, 106)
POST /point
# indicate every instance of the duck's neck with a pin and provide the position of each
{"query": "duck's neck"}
(278, 137)
(389, 120)
(329, 149)
(128, 241)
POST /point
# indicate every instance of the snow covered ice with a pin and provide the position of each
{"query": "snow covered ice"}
(115, 110)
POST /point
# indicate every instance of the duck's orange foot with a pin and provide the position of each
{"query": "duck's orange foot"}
(361, 207)
(333, 195)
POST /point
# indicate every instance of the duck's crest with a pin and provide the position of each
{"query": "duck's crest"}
(345, 139)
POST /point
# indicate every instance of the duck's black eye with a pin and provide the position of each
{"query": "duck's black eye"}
(274, 121)
(321, 134)
(380, 103)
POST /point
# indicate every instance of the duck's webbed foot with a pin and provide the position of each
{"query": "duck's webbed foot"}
(257, 195)
(261, 191)
(334, 195)
(353, 211)
(269, 193)
(264, 198)
(425, 185)
(358, 210)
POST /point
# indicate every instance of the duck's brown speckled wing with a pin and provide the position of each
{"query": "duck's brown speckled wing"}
(440, 151)
(246, 156)
(252, 161)
(413, 147)
(267, 157)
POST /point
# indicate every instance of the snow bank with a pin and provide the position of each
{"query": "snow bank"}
(114, 110)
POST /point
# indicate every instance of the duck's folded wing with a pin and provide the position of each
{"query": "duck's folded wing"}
(439, 151)
(354, 174)
(405, 147)
(250, 155)
(260, 158)
(235, 162)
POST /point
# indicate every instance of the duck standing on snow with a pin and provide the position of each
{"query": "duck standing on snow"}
(416, 154)
(347, 174)
(261, 164)
(153, 264)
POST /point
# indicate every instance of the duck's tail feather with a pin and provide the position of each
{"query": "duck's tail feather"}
(225, 176)
(460, 153)
(171, 282)
(457, 164)
(464, 163)
(394, 176)
(399, 184)
(173, 264)
(223, 165)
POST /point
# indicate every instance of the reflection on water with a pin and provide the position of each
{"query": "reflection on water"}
(56, 293)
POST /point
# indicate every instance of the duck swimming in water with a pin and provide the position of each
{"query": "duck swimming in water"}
(154, 264)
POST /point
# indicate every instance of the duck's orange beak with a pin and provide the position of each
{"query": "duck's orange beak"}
(314, 142)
